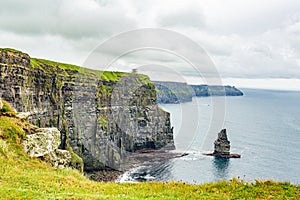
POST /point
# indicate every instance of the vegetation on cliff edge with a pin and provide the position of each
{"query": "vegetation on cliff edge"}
(103, 75)
(23, 177)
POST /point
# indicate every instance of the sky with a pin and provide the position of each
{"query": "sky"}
(252, 43)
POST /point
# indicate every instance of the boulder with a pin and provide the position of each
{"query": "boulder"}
(58, 158)
(44, 144)
(44, 141)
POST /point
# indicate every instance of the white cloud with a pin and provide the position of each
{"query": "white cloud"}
(184, 18)
(72, 19)
(246, 39)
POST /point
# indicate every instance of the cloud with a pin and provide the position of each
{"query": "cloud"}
(70, 19)
(249, 39)
(189, 17)
(249, 17)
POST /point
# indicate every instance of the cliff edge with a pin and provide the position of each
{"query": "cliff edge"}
(101, 115)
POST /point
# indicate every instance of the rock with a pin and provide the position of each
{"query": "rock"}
(58, 158)
(234, 155)
(44, 141)
(44, 144)
(222, 144)
(106, 175)
(222, 147)
(24, 115)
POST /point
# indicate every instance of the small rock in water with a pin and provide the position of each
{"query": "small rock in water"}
(222, 144)
(222, 147)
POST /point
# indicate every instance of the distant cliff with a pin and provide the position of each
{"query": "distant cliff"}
(173, 92)
(212, 90)
(178, 92)
(100, 115)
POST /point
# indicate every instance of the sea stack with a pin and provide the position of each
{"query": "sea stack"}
(222, 147)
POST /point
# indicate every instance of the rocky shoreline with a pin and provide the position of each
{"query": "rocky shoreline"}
(105, 175)
(133, 159)
(232, 155)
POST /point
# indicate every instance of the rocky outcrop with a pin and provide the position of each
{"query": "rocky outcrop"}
(222, 144)
(101, 115)
(44, 144)
(222, 147)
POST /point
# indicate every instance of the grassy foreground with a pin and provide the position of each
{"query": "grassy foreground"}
(22, 177)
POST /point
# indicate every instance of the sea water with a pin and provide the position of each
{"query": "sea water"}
(263, 126)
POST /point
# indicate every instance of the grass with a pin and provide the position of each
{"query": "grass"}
(6, 108)
(22, 177)
(52, 66)
(35, 62)
(103, 75)
(10, 50)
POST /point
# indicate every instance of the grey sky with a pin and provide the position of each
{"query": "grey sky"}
(245, 39)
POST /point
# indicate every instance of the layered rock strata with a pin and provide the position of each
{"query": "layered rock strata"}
(101, 115)
(179, 92)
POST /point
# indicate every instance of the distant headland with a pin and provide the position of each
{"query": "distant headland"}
(179, 92)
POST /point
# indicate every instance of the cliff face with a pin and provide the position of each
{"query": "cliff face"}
(100, 115)
(216, 90)
(178, 92)
(173, 92)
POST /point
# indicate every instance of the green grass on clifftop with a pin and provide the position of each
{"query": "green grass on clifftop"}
(104, 75)
(11, 50)
(51, 66)
(22, 177)
(36, 62)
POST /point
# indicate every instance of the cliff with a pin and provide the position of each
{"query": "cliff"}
(215, 90)
(178, 92)
(173, 92)
(101, 115)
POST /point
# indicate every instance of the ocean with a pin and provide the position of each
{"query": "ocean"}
(263, 126)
